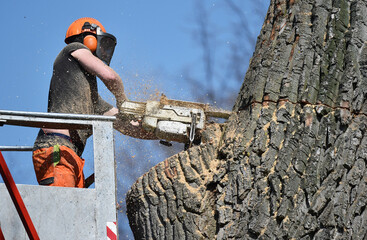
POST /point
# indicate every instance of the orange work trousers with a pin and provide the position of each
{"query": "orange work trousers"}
(58, 166)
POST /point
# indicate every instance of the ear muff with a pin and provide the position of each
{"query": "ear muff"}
(91, 42)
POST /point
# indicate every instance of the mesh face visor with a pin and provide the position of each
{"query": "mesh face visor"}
(105, 46)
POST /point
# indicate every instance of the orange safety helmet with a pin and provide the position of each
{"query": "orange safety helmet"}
(93, 35)
(80, 26)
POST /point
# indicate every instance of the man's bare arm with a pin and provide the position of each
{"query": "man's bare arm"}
(95, 66)
(113, 82)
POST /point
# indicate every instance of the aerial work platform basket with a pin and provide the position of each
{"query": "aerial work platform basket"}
(59, 212)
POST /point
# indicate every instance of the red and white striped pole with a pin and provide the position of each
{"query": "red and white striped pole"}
(111, 231)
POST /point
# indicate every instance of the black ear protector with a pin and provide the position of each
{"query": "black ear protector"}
(89, 40)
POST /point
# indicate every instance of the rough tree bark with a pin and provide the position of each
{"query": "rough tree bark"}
(291, 161)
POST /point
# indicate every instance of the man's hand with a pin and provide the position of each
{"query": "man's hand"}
(135, 123)
(119, 103)
(130, 127)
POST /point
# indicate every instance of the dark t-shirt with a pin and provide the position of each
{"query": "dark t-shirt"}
(72, 90)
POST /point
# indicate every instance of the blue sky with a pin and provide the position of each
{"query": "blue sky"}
(155, 50)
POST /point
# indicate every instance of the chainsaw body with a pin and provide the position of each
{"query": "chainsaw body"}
(170, 120)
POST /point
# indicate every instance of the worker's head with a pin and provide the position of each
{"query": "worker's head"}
(92, 34)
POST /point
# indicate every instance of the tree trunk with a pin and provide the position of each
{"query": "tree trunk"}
(291, 161)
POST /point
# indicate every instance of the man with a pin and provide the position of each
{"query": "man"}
(73, 89)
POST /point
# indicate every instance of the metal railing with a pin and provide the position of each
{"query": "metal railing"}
(85, 212)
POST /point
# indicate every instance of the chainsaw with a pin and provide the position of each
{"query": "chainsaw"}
(172, 120)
